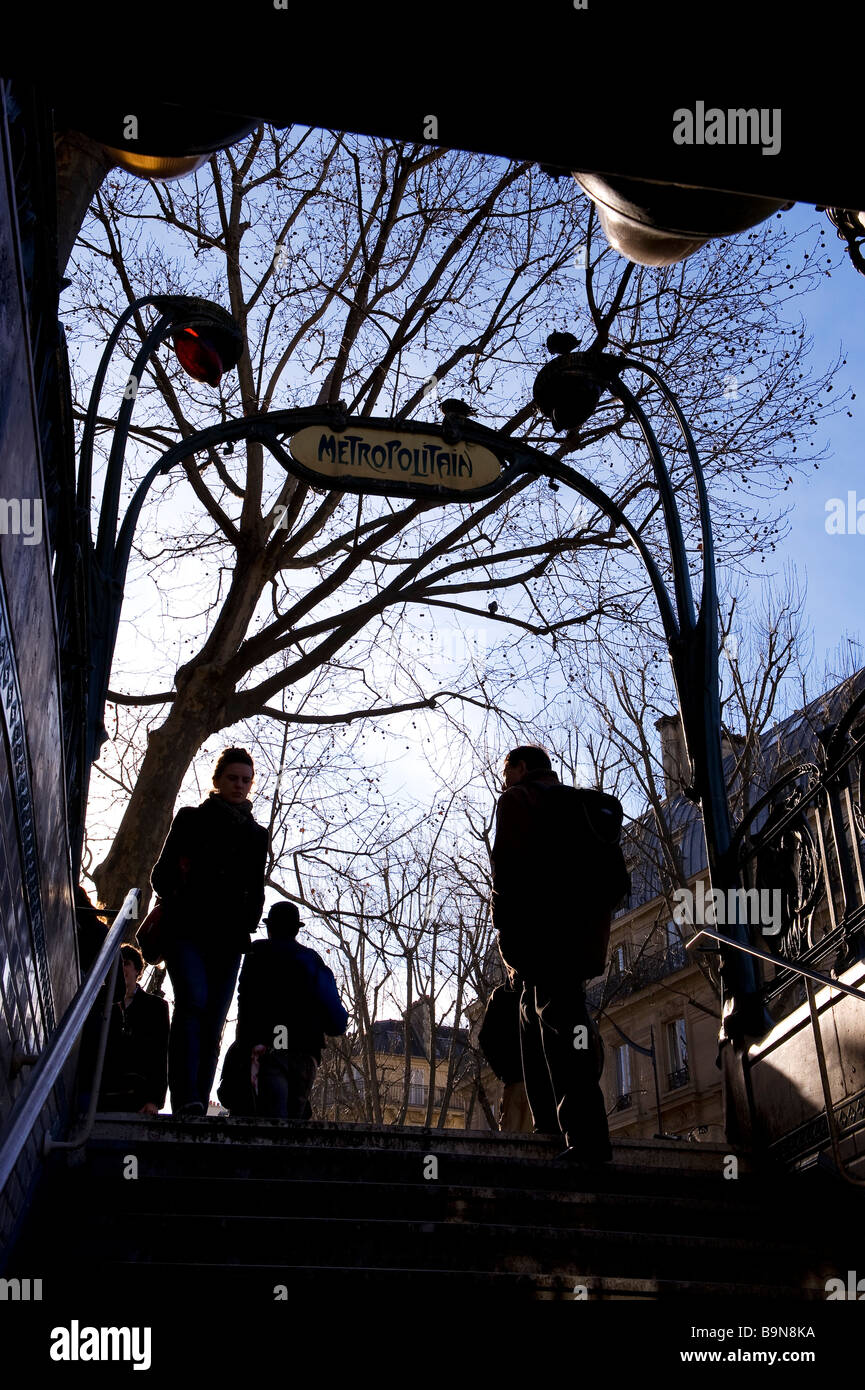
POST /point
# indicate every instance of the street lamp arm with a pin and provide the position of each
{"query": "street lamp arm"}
(85, 468)
(681, 577)
(105, 536)
(709, 596)
(123, 548)
(593, 493)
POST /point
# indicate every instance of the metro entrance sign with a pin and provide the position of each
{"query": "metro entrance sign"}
(408, 459)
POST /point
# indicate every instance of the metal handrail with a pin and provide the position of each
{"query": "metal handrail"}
(777, 960)
(815, 1029)
(29, 1104)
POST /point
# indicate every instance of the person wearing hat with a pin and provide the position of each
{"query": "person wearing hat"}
(287, 1002)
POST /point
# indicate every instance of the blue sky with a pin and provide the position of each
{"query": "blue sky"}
(833, 565)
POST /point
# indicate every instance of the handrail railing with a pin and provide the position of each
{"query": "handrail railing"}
(815, 1029)
(777, 960)
(29, 1104)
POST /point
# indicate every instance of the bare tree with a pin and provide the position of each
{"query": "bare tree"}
(364, 269)
(408, 937)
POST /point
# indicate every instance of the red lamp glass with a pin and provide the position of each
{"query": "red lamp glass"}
(198, 356)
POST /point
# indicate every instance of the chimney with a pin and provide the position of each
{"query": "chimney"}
(419, 1019)
(731, 745)
(677, 766)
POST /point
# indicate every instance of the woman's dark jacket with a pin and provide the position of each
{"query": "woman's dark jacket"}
(210, 874)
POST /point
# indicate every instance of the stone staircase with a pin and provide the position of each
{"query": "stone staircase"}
(249, 1210)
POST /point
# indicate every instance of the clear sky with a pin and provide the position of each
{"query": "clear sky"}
(833, 565)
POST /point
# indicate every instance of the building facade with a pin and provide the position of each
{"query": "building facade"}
(658, 1004)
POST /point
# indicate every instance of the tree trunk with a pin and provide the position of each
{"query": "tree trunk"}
(145, 823)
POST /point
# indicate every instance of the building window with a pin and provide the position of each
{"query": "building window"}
(677, 1053)
(619, 959)
(623, 1077)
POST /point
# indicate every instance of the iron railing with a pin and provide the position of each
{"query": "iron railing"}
(29, 1104)
(809, 975)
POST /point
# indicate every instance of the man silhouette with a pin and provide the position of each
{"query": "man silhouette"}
(537, 914)
(287, 1001)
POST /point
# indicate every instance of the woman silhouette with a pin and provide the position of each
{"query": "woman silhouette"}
(210, 878)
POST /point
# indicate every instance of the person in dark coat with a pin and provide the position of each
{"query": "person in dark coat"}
(210, 879)
(135, 1072)
(536, 912)
(499, 1040)
(287, 1001)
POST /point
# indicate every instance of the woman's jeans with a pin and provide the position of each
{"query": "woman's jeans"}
(203, 977)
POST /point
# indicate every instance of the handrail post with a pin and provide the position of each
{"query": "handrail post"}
(84, 1133)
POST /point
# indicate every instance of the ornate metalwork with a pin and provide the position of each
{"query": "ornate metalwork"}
(809, 861)
(813, 1135)
(850, 228)
(13, 713)
(787, 861)
(859, 801)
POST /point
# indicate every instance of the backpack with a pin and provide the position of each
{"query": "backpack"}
(578, 837)
(332, 1015)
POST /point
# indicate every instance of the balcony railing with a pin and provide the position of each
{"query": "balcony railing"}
(418, 1095)
(624, 1102)
(639, 973)
(678, 1078)
(390, 1094)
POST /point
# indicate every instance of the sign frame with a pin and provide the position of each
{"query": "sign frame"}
(511, 457)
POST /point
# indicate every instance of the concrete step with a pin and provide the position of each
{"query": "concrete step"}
(322, 1206)
(665, 1155)
(127, 1284)
(326, 1240)
(239, 1154)
(431, 1201)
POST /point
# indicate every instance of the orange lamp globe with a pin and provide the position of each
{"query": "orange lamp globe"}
(160, 167)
